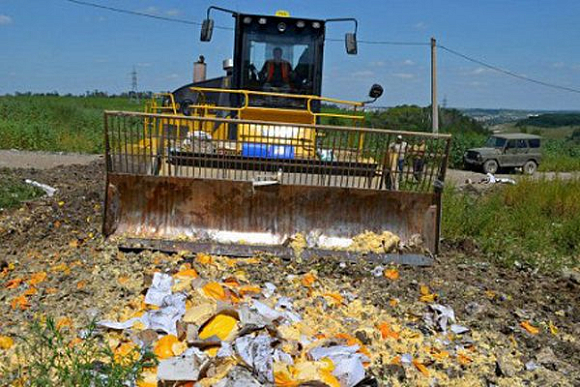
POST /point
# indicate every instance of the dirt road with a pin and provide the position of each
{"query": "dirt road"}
(42, 160)
(47, 160)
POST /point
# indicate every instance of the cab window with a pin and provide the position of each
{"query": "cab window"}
(283, 62)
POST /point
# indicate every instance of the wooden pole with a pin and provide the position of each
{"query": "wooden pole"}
(434, 106)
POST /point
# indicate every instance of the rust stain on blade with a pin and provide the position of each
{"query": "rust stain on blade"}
(170, 208)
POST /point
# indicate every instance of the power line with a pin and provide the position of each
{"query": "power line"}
(143, 14)
(370, 42)
(508, 72)
(384, 42)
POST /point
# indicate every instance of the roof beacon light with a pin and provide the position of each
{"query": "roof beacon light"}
(282, 13)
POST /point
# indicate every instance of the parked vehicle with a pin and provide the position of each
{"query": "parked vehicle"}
(506, 151)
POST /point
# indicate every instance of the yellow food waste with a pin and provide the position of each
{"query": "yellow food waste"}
(370, 242)
(221, 326)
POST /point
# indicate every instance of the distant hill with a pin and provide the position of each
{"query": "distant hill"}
(491, 117)
(551, 120)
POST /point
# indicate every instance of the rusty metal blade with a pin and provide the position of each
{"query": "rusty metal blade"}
(173, 209)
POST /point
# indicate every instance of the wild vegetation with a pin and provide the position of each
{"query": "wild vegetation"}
(53, 356)
(535, 222)
(13, 191)
(53, 123)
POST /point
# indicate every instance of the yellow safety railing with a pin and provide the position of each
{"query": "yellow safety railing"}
(307, 98)
(153, 107)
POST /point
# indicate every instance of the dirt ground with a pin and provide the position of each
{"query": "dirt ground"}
(61, 236)
(42, 160)
(47, 160)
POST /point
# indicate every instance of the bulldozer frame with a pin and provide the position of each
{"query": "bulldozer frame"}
(173, 186)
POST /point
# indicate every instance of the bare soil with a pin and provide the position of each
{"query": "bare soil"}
(61, 236)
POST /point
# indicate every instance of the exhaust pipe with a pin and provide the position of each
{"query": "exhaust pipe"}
(199, 70)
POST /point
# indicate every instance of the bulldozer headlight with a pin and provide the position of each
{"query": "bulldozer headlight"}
(262, 20)
(281, 27)
(247, 20)
(300, 24)
(315, 24)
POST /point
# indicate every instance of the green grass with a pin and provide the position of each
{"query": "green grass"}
(535, 222)
(51, 123)
(13, 191)
(47, 358)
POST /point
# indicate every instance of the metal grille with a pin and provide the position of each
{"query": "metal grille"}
(271, 153)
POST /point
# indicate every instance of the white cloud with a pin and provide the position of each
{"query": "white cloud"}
(5, 20)
(420, 26)
(151, 10)
(172, 76)
(363, 74)
(378, 63)
(144, 64)
(565, 66)
(408, 62)
(172, 12)
(479, 71)
(404, 75)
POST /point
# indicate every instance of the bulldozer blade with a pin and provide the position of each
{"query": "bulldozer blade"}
(274, 188)
(241, 219)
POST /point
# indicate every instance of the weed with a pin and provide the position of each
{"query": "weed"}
(13, 192)
(51, 357)
(534, 222)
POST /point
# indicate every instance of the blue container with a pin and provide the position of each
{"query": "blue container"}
(267, 151)
(250, 149)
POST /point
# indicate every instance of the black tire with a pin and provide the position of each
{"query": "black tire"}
(490, 166)
(530, 167)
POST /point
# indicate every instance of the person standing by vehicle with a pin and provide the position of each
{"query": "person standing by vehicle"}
(398, 150)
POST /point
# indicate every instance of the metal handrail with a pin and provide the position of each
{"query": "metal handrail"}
(298, 125)
(306, 97)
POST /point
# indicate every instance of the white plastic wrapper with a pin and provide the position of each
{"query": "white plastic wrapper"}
(349, 368)
(160, 288)
(257, 352)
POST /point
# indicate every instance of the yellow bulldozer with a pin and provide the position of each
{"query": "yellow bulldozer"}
(248, 163)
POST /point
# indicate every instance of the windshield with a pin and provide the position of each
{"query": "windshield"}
(495, 142)
(277, 62)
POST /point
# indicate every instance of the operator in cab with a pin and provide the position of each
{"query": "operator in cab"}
(276, 72)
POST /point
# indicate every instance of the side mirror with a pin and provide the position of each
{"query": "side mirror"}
(206, 30)
(350, 43)
(376, 91)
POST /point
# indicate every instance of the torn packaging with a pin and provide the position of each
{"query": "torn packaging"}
(160, 288)
(348, 363)
(257, 352)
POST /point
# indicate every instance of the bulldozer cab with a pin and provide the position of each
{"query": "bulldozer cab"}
(244, 164)
(278, 54)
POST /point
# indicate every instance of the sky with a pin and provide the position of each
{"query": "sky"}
(55, 45)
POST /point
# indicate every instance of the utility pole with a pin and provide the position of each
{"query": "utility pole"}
(434, 107)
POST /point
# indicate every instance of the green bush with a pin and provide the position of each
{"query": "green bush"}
(47, 358)
(534, 222)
